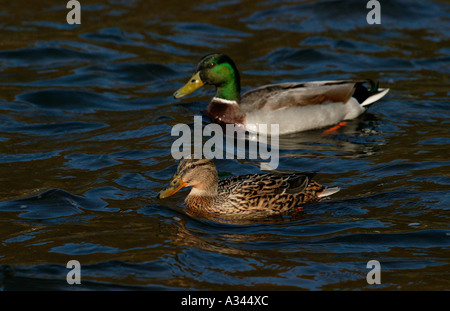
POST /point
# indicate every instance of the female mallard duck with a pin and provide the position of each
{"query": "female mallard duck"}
(295, 106)
(245, 196)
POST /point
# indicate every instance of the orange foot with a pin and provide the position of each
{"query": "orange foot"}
(298, 211)
(334, 128)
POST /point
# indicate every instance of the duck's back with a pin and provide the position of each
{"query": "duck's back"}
(266, 194)
(291, 94)
(302, 106)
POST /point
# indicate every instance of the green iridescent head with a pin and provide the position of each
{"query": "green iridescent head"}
(218, 70)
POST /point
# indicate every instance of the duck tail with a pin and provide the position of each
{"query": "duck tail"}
(366, 96)
(328, 192)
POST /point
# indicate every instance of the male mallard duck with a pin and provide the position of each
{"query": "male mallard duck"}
(295, 106)
(245, 196)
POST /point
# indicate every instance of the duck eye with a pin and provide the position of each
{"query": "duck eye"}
(193, 166)
(211, 65)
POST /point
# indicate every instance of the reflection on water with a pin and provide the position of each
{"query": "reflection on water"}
(86, 114)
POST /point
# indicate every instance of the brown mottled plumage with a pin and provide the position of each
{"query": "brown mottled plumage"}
(244, 196)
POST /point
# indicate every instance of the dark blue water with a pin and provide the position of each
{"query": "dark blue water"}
(85, 118)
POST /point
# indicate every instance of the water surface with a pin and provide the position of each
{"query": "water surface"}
(85, 118)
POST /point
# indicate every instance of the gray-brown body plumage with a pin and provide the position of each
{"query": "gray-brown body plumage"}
(294, 106)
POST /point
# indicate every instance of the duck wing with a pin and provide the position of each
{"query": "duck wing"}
(266, 184)
(277, 96)
(262, 195)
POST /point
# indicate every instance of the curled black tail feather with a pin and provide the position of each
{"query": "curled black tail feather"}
(362, 92)
(373, 86)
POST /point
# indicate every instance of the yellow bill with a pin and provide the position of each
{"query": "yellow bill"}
(175, 184)
(194, 83)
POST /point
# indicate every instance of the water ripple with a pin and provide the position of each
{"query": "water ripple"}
(86, 114)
